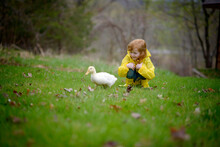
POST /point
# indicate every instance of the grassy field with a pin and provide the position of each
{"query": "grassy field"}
(36, 110)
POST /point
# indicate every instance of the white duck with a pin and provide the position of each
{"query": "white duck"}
(101, 78)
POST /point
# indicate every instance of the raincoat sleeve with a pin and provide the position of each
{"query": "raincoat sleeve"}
(123, 69)
(147, 69)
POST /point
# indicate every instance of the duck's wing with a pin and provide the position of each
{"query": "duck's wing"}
(107, 78)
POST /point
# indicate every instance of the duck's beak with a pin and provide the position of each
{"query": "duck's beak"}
(87, 72)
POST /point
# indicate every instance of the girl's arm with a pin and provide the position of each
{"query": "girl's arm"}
(147, 69)
(123, 69)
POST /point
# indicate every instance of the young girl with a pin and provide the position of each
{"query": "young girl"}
(136, 65)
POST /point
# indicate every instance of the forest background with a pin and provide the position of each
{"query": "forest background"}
(180, 34)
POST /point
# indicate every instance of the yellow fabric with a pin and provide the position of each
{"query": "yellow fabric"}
(147, 70)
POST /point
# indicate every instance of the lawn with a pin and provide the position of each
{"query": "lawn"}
(36, 110)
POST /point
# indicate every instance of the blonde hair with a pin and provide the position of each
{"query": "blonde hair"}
(140, 45)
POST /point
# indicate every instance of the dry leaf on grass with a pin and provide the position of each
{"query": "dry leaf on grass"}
(68, 89)
(110, 144)
(90, 88)
(160, 96)
(18, 132)
(197, 111)
(126, 94)
(29, 75)
(179, 134)
(135, 115)
(143, 100)
(129, 88)
(17, 93)
(115, 107)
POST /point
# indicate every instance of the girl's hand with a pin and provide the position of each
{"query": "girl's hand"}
(131, 66)
(138, 66)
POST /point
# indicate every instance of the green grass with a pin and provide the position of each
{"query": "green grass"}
(211, 73)
(50, 116)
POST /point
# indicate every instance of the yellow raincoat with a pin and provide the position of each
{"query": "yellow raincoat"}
(147, 70)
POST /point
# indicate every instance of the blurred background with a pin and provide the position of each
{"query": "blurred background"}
(181, 35)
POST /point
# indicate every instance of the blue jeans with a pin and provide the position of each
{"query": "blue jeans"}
(133, 74)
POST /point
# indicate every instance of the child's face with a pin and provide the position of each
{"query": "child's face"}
(135, 54)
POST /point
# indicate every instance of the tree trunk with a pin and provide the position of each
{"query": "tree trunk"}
(208, 62)
(59, 47)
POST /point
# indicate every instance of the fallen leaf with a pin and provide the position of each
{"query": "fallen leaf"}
(135, 115)
(16, 120)
(179, 134)
(165, 83)
(88, 124)
(12, 103)
(28, 91)
(29, 75)
(160, 96)
(147, 109)
(178, 114)
(30, 142)
(17, 93)
(126, 94)
(110, 95)
(38, 90)
(197, 111)
(69, 90)
(151, 88)
(77, 93)
(18, 132)
(110, 144)
(90, 89)
(179, 104)
(115, 95)
(85, 112)
(129, 88)
(182, 87)
(5, 95)
(211, 90)
(115, 107)
(196, 104)
(43, 103)
(208, 90)
(161, 107)
(84, 93)
(143, 100)
(51, 106)
(41, 66)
